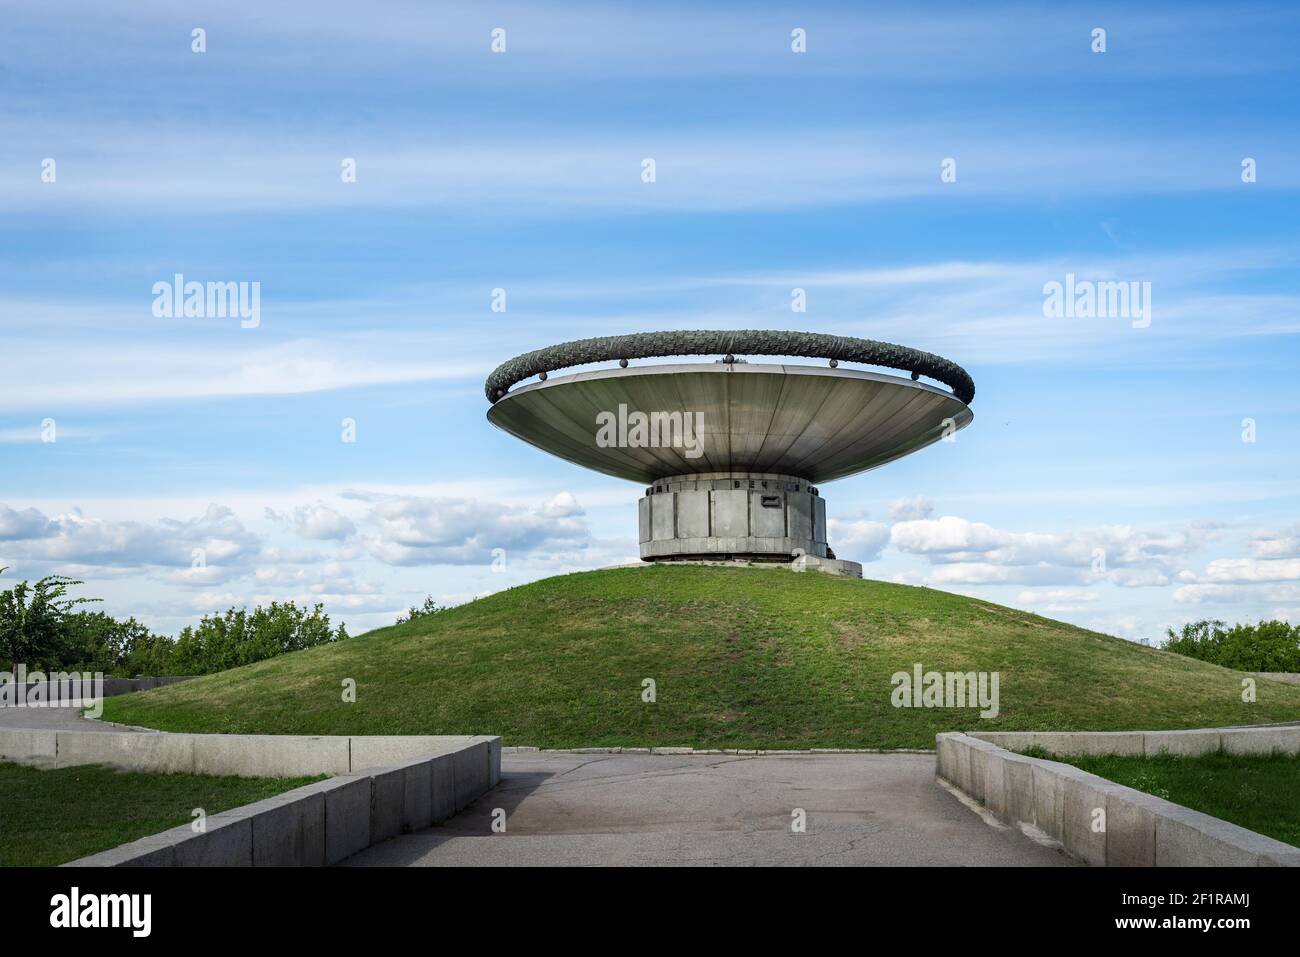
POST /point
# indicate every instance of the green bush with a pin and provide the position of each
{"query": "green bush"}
(430, 607)
(1268, 646)
(240, 637)
(41, 627)
(97, 641)
(34, 627)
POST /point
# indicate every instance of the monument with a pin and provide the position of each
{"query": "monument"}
(731, 452)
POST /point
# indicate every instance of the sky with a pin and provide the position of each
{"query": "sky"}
(922, 172)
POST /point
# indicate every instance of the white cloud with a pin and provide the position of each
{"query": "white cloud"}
(949, 536)
(212, 602)
(963, 551)
(910, 509)
(984, 311)
(1058, 600)
(562, 505)
(27, 523)
(1137, 577)
(36, 433)
(132, 366)
(973, 573)
(559, 42)
(318, 522)
(412, 530)
(1131, 627)
(1281, 543)
(202, 576)
(1199, 594)
(330, 583)
(1248, 571)
(214, 538)
(861, 541)
(591, 169)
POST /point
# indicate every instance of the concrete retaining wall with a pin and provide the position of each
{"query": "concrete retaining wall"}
(1259, 740)
(1068, 805)
(242, 755)
(329, 821)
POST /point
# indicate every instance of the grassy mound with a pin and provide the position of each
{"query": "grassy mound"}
(744, 658)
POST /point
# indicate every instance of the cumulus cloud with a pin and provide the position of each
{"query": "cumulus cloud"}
(416, 530)
(1272, 573)
(1058, 600)
(1248, 571)
(982, 573)
(330, 576)
(963, 551)
(1137, 577)
(216, 537)
(213, 602)
(955, 539)
(319, 522)
(859, 540)
(910, 509)
(334, 584)
(563, 505)
(1198, 594)
(28, 523)
(1281, 543)
(202, 575)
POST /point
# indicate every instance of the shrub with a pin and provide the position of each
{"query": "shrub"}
(1268, 646)
(240, 637)
(41, 627)
(34, 622)
(430, 607)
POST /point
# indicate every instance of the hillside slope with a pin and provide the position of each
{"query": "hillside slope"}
(746, 658)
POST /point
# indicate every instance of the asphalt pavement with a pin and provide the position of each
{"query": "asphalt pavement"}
(641, 809)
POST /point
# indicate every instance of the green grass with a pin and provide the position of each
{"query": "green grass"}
(51, 816)
(1256, 791)
(742, 657)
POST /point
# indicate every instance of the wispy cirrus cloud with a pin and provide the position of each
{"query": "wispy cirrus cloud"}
(120, 369)
(569, 40)
(986, 311)
(744, 169)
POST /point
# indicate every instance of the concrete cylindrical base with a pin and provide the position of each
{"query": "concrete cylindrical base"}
(755, 516)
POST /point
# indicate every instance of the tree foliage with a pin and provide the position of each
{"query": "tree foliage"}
(1268, 646)
(45, 629)
(240, 637)
(34, 622)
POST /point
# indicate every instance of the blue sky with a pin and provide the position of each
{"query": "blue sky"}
(522, 170)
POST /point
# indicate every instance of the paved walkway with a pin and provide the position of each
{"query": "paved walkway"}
(53, 719)
(633, 809)
(592, 809)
